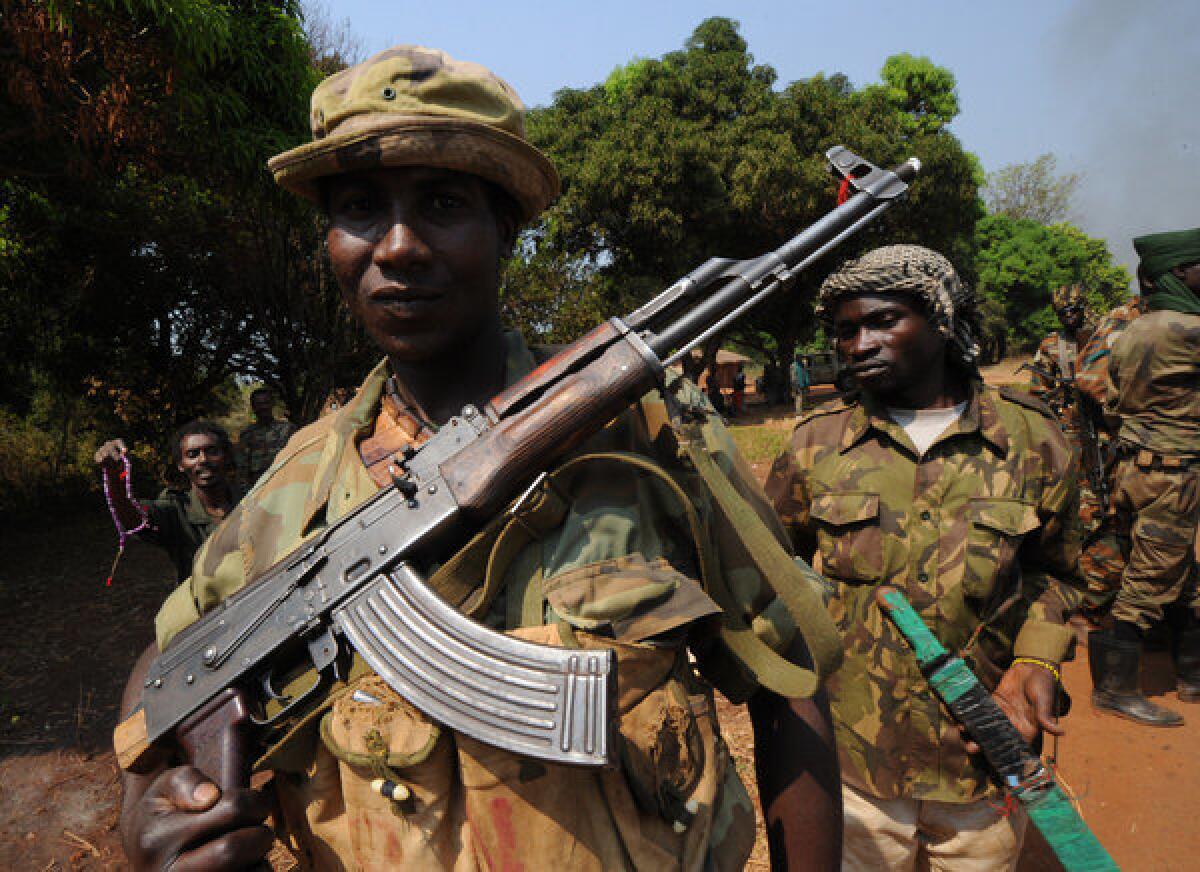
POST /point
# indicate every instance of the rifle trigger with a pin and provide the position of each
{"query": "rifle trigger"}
(271, 693)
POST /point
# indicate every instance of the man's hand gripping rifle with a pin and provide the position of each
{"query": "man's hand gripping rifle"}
(360, 583)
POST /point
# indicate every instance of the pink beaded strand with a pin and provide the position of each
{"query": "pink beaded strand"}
(123, 534)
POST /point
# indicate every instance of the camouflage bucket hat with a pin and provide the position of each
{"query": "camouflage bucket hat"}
(414, 106)
(1068, 296)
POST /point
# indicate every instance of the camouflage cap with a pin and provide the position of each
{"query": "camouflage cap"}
(1068, 296)
(920, 273)
(414, 106)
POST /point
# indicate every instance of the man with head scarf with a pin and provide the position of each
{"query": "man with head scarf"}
(963, 497)
(421, 165)
(1154, 389)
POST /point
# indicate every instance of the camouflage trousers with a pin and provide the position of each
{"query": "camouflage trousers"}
(1102, 557)
(1160, 509)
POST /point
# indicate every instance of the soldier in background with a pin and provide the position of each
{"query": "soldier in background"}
(1102, 560)
(962, 496)
(1154, 389)
(1055, 362)
(178, 520)
(261, 441)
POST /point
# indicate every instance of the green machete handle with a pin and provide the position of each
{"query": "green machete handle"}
(1075, 845)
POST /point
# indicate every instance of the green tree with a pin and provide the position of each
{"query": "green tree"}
(1032, 190)
(134, 139)
(1021, 262)
(697, 154)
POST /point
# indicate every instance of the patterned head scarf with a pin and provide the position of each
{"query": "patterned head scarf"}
(921, 274)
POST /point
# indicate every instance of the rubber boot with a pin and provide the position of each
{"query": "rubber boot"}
(1187, 664)
(1116, 682)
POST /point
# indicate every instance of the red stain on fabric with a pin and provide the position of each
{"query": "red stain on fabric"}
(506, 836)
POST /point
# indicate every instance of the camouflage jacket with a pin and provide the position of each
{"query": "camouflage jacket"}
(257, 446)
(1154, 385)
(1094, 357)
(618, 567)
(978, 533)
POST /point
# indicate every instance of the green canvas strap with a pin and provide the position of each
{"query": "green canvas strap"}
(787, 578)
(490, 555)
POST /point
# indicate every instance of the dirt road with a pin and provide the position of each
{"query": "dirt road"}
(67, 642)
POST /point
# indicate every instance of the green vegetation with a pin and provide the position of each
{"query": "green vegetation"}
(148, 267)
(700, 153)
(1021, 262)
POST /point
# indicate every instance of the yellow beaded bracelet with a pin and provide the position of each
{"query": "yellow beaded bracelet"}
(1045, 664)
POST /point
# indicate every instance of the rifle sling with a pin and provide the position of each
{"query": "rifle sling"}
(490, 556)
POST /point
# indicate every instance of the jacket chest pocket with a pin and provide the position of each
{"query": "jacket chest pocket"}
(849, 537)
(996, 528)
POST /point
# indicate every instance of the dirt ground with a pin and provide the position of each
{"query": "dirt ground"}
(67, 642)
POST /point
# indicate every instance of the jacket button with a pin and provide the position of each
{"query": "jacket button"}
(926, 515)
(922, 577)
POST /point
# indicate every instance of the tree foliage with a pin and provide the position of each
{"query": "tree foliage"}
(698, 153)
(1032, 190)
(1021, 262)
(146, 259)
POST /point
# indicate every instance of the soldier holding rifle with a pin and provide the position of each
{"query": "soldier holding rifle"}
(421, 165)
(963, 497)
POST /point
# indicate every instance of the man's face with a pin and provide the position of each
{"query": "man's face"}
(1189, 275)
(887, 343)
(202, 460)
(416, 251)
(1071, 316)
(262, 404)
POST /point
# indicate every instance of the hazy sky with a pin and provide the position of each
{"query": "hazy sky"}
(1109, 86)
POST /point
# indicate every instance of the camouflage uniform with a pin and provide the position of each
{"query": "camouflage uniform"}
(1155, 389)
(616, 571)
(978, 533)
(257, 446)
(1102, 559)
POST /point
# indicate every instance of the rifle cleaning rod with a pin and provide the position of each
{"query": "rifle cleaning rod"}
(743, 287)
(775, 285)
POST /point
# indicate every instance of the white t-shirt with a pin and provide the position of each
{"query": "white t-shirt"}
(923, 426)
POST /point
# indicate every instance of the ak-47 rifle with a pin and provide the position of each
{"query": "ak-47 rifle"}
(1021, 771)
(1063, 393)
(360, 583)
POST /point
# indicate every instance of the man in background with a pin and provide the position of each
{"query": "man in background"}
(179, 519)
(261, 441)
(963, 497)
(1154, 389)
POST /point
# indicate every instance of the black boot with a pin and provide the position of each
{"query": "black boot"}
(1117, 683)
(1187, 664)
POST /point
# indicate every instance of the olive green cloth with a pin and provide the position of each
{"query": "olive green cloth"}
(179, 524)
(1154, 372)
(1162, 252)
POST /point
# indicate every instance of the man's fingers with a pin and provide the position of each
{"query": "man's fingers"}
(189, 789)
(236, 850)
(1044, 710)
